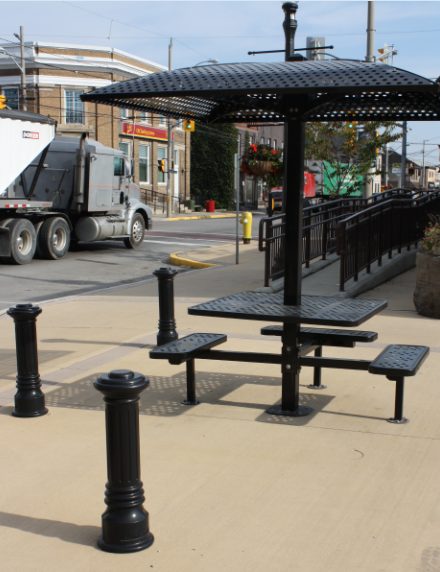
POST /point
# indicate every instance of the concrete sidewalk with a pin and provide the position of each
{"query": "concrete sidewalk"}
(228, 487)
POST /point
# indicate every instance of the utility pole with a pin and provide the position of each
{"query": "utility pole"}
(403, 155)
(23, 93)
(369, 181)
(170, 146)
(370, 32)
(422, 178)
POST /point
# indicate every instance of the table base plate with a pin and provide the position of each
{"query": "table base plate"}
(300, 411)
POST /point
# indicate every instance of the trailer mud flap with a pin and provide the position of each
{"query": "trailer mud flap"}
(5, 243)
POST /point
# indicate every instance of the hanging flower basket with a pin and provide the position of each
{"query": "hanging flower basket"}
(261, 168)
(261, 161)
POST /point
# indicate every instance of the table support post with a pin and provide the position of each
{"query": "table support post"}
(290, 369)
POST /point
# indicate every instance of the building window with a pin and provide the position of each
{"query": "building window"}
(161, 154)
(162, 120)
(124, 113)
(12, 97)
(144, 117)
(74, 106)
(144, 163)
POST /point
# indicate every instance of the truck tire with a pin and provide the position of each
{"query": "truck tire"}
(53, 238)
(137, 232)
(23, 240)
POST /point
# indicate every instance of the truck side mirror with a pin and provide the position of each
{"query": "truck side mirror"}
(121, 198)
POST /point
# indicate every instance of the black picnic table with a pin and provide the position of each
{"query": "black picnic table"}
(269, 306)
(294, 92)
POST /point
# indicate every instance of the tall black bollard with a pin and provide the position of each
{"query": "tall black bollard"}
(167, 323)
(29, 399)
(125, 522)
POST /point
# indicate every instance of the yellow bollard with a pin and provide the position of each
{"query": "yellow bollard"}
(246, 221)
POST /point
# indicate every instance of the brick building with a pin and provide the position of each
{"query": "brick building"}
(57, 74)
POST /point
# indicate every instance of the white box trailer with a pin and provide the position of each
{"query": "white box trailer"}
(59, 190)
(22, 140)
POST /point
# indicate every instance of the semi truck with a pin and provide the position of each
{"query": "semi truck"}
(56, 191)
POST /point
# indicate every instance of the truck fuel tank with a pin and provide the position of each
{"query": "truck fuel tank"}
(89, 229)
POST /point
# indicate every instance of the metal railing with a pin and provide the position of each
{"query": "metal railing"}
(320, 224)
(158, 202)
(319, 234)
(364, 238)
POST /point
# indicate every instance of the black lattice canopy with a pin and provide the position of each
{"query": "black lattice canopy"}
(307, 90)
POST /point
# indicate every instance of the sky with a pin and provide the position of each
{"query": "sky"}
(227, 30)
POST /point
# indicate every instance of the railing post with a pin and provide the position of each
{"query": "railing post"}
(29, 399)
(167, 324)
(268, 253)
(125, 525)
(307, 233)
(370, 237)
(324, 237)
(340, 248)
(356, 253)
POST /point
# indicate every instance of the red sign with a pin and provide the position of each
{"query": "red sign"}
(309, 185)
(31, 135)
(144, 131)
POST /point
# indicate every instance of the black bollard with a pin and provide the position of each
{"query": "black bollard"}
(125, 522)
(29, 399)
(167, 323)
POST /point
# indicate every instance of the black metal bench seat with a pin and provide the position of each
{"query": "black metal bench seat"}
(324, 337)
(186, 350)
(396, 362)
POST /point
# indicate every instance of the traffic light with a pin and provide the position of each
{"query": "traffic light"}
(161, 165)
(189, 125)
(3, 100)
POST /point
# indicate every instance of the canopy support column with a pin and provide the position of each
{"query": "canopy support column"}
(294, 135)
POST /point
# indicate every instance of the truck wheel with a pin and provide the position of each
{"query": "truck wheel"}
(23, 239)
(53, 238)
(137, 232)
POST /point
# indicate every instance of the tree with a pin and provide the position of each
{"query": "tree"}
(347, 151)
(212, 163)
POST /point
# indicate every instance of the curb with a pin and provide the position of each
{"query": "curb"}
(201, 216)
(177, 260)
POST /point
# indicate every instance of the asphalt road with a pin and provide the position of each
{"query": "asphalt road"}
(107, 264)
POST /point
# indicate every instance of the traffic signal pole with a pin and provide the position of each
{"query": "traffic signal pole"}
(170, 146)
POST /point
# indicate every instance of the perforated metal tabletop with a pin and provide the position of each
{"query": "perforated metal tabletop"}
(267, 306)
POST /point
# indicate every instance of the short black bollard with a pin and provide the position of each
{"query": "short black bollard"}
(125, 522)
(167, 323)
(29, 399)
